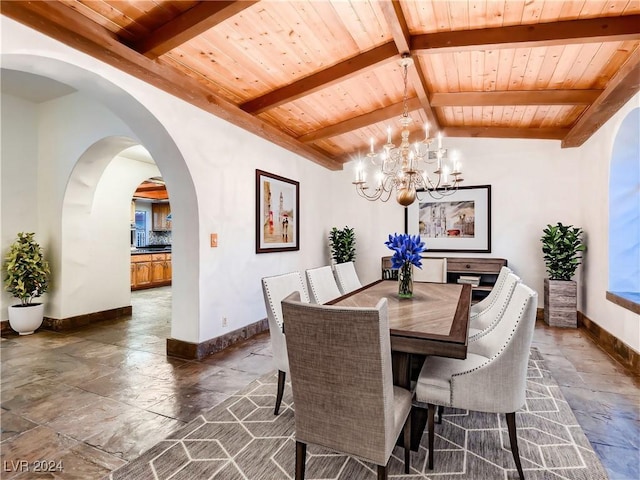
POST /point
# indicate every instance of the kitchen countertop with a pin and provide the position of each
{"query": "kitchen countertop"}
(146, 250)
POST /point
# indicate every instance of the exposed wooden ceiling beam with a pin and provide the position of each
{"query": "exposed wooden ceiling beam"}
(506, 132)
(70, 27)
(402, 37)
(485, 132)
(592, 30)
(361, 121)
(529, 97)
(338, 73)
(624, 85)
(188, 25)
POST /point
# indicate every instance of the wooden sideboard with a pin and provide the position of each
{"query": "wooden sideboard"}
(487, 269)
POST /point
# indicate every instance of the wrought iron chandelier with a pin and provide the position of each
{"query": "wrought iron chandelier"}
(399, 167)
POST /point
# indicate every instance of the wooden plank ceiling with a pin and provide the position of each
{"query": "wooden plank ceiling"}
(322, 77)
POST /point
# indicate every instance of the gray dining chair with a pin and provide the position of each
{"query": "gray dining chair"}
(274, 290)
(347, 277)
(433, 270)
(488, 301)
(343, 393)
(492, 378)
(322, 285)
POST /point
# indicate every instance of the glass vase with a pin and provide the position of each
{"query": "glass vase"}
(405, 281)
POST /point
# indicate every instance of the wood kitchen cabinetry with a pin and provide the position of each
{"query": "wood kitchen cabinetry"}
(150, 270)
(159, 214)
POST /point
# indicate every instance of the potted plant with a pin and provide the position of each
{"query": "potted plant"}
(561, 246)
(343, 244)
(27, 278)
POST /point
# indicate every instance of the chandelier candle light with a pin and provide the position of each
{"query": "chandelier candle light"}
(399, 166)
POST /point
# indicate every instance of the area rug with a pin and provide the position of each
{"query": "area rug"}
(241, 439)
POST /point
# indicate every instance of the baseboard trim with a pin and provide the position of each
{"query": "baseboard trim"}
(615, 347)
(61, 324)
(198, 351)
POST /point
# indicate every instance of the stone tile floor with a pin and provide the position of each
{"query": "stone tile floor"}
(89, 400)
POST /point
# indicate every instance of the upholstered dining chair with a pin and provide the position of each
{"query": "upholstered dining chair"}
(487, 302)
(493, 376)
(433, 270)
(489, 318)
(322, 285)
(347, 277)
(275, 289)
(343, 393)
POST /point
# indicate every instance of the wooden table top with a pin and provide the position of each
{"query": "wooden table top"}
(435, 321)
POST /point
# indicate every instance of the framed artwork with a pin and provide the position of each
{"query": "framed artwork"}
(277, 213)
(459, 222)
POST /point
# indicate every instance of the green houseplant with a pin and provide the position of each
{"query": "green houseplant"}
(343, 244)
(561, 246)
(27, 277)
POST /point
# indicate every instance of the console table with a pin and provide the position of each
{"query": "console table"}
(485, 268)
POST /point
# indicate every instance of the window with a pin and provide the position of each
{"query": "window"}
(624, 213)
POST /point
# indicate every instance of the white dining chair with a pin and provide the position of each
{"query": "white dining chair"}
(491, 379)
(275, 289)
(347, 277)
(322, 285)
(487, 302)
(489, 318)
(433, 270)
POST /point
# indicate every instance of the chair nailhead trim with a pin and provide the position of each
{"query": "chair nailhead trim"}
(502, 349)
(495, 299)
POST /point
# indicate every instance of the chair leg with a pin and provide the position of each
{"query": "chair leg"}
(382, 472)
(431, 411)
(301, 459)
(282, 377)
(407, 444)
(440, 411)
(513, 439)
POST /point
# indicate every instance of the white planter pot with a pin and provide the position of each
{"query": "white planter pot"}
(26, 320)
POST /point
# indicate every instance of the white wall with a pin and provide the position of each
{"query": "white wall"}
(533, 183)
(595, 158)
(18, 190)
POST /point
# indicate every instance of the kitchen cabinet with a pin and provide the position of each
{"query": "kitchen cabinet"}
(150, 270)
(159, 216)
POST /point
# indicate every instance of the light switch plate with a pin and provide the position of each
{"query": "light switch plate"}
(214, 240)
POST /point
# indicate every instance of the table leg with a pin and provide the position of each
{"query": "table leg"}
(401, 362)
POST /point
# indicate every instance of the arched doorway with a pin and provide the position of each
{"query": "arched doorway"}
(143, 128)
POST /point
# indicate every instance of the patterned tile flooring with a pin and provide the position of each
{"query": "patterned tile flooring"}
(88, 401)
(241, 438)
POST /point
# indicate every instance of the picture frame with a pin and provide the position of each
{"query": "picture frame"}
(277, 213)
(457, 222)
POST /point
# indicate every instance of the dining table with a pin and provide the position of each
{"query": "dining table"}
(434, 321)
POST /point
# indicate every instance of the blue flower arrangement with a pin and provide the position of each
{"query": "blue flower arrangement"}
(407, 250)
